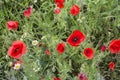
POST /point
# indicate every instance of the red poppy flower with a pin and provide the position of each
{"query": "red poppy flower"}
(74, 10)
(57, 10)
(89, 53)
(82, 76)
(76, 38)
(57, 79)
(47, 52)
(59, 1)
(28, 12)
(114, 46)
(60, 5)
(17, 49)
(111, 65)
(103, 48)
(60, 48)
(12, 25)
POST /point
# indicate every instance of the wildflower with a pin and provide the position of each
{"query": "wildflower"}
(35, 1)
(60, 48)
(28, 12)
(17, 49)
(76, 38)
(111, 65)
(47, 52)
(34, 42)
(103, 48)
(12, 25)
(74, 10)
(57, 10)
(36, 69)
(89, 53)
(82, 76)
(114, 46)
(56, 78)
(17, 66)
(59, 3)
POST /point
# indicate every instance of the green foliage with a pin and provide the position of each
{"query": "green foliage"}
(99, 20)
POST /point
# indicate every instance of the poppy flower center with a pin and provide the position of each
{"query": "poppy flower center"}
(16, 50)
(87, 52)
(75, 39)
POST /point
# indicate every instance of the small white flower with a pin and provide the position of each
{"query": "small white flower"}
(36, 69)
(35, 1)
(79, 20)
(43, 37)
(17, 66)
(35, 42)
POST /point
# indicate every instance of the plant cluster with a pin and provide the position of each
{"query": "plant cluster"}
(59, 39)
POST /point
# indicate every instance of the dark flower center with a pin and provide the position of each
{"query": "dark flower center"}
(87, 51)
(75, 39)
(16, 50)
(82, 76)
